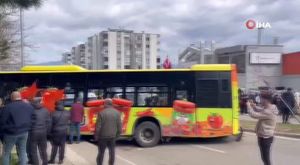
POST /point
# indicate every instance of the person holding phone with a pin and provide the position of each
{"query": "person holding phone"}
(265, 127)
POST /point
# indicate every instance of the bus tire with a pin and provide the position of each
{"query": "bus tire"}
(147, 134)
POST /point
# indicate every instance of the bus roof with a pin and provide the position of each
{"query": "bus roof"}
(75, 68)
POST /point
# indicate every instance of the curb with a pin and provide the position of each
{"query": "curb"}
(291, 135)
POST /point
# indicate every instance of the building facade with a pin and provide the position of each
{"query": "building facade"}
(194, 54)
(124, 49)
(291, 70)
(67, 58)
(257, 65)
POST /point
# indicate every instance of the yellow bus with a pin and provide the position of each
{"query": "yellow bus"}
(201, 101)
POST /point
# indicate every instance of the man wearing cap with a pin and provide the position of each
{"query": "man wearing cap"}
(108, 129)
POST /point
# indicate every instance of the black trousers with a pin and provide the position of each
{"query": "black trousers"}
(285, 115)
(58, 142)
(102, 145)
(38, 141)
(265, 148)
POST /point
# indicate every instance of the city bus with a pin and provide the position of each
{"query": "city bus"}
(201, 101)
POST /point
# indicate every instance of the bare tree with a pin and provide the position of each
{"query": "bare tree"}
(11, 46)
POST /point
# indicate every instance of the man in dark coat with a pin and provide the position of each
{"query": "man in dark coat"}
(38, 134)
(77, 111)
(16, 122)
(289, 99)
(60, 124)
(108, 128)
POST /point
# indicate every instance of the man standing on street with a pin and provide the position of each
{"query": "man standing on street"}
(266, 124)
(289, 99)
(16, 122)
(38, 134)
(60, 122)
(108, 129)
(77, 111)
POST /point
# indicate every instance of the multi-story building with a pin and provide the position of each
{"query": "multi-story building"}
(78, 56)
(67, 58)
(124, 49)
(196, 54)
(257, 65)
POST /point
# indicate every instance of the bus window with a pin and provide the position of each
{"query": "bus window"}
(130, 94)
(213, 90)
(94, 94)
(152, 96)
(181, 95)
(114, 92)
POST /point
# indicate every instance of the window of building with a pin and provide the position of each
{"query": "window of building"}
(147, 46)
(158, 60)
(240, 62)
(105, 44)
(105, 59)
(127, 66)
(105, 67)
(147, 38)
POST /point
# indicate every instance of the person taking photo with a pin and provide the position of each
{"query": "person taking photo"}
(265, 127)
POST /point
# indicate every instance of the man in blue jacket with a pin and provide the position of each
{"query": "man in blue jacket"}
(16, 122)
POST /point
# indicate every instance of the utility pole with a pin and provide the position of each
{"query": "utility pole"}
(22, 38)
(259, 34)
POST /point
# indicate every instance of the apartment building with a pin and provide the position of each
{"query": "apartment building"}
(67, 58)
(117, 49)
(124, 49)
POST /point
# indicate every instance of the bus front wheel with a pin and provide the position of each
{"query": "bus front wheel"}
(147, 134)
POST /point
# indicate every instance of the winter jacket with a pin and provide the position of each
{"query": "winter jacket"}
(266, 124)
(77, 113)
(108, 124)
(41, 121)
(289, 99)
(16, 118)
(60, 120)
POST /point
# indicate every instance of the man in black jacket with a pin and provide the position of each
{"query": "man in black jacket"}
(38, 134)
(108, 128)
(289, 99)
(60, 125)
(16, 122)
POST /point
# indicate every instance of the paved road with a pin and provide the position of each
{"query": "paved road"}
(192, 152)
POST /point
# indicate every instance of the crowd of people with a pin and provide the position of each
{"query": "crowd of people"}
(28, 126)
(287, 102)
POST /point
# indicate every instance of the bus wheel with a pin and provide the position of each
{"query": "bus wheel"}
(147, 134)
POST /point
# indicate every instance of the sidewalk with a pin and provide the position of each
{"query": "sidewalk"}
(246, 117)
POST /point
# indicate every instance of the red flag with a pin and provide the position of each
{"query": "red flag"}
(29, 92)
(50, 96)
(167, 64)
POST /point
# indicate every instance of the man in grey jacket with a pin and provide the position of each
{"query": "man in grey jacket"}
(266, 124)
(108, 128)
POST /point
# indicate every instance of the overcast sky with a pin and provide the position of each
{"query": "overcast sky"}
(60, 24)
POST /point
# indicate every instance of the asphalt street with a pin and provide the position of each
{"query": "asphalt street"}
(286, 151)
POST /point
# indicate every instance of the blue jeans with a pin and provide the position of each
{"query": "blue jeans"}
(75, 127)
(8, 144)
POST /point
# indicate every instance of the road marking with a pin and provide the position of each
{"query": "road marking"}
(126, 160)
(279, 137)
(210, 149)
(75, 158)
